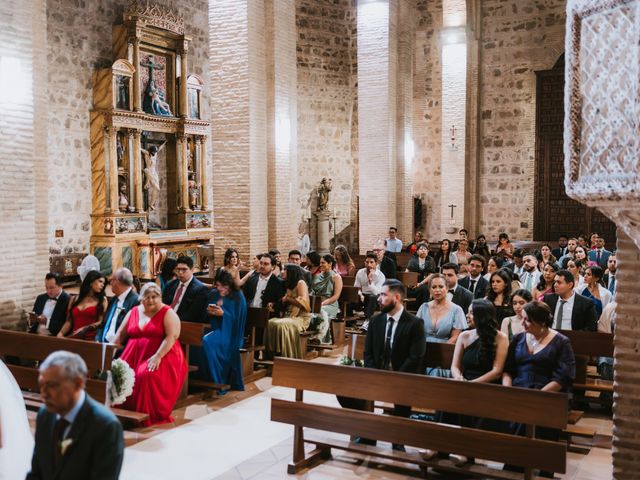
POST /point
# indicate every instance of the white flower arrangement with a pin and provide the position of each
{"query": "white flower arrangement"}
(121, 381)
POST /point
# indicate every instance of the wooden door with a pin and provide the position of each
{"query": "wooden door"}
(554, 212)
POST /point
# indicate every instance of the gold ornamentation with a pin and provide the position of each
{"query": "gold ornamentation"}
(156, 16)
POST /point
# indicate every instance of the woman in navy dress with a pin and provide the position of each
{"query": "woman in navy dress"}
(539, 358)
(227, 312)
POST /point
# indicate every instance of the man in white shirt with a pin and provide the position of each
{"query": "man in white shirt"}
(50, 308)
(264, 289)
(369, 281)
(530, 275)
(394, 244)
(124, 299)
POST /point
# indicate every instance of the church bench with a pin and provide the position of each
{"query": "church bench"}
(402, 259)
(509, 404)
(409, 279)
(33, 349)
(348, 280)
(586, 345)
(336, 328)
(348, 296)
(257, 321)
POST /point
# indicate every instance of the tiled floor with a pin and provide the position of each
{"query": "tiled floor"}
(232, 437)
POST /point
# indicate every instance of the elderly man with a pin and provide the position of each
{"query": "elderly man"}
(76, 437)
(50, 308)
(124, 299)
(386, 260)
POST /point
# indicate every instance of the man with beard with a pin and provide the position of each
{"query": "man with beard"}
(395, 341)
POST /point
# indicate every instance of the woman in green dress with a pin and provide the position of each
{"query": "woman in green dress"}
(328, 285)
(282, 335)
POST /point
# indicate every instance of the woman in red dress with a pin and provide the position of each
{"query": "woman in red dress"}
(86, 312)
(154, 354)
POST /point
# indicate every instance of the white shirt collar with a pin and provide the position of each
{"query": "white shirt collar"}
(73, 413)
(122, 297)
(398, 314)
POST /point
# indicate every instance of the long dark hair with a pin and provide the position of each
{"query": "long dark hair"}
(85, 291)
(442, 258)
(227, 256)
(224, 278)
(506, 295)
(294, 275)
(486, 322)
(542, 284)
(167, 269)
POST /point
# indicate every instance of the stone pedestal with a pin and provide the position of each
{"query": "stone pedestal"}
(322, 227)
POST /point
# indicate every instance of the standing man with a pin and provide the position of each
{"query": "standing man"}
(124, 299)
(609, 278)
(600, 255)
(571, 311)
(562, 247)
(530, 275)
(187, 295)
(50, 308)
(572, 243)
(369, 281)
(264, 289)
(295, 257)
(475, 282)
(457, 294)
(394, 244)
(76, 437)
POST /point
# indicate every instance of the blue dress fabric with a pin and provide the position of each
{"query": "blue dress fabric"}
(221, 346)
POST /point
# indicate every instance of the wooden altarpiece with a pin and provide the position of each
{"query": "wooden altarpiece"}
(146, 108)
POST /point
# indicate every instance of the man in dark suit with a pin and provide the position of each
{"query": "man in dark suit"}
(459, 295)
(264, 289)
(609, 278)
(386, 263)
(124, 299)
(76, 437)
(50, 308)
(571, 311)
(600, 255)
(186, 294)
(561, 250)
(475, 282)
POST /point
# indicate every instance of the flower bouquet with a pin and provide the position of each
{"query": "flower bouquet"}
(120, 381)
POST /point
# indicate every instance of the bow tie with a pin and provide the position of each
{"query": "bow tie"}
(55, 299)
(452, 290)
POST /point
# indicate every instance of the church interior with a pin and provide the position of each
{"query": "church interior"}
(136, 132)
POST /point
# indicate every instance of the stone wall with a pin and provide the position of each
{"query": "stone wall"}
(23, 156)
(427, 113)
(518, 38)
(79, 41)
(327, 116)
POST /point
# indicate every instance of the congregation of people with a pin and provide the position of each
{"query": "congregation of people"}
(503, 309)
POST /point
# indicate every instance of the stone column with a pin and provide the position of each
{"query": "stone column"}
(238, 105)
(137, 170)
(281, 36)
(135, 42)
(377, 69)
(183, 79)
(322, 227)
(601, 170)
(454, 94)
(111, 169)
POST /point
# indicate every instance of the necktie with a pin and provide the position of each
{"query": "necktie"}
(58, 436)
(598, 256)
(53, 298)
(560, 312)
(387, 343)
(472, 285)
(107, 323)
(529, 281)
(177, 297)
(612, 284)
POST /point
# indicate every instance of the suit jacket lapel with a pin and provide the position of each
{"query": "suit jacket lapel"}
(77, 429)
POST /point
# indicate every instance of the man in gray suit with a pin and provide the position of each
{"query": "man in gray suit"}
(76, 437)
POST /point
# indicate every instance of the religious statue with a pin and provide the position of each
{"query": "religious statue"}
(323, 193)
(119, 151)
(153, 101)
(190, 162)
(122, 100)
(194, 192)
(123, 200)
(151, 171)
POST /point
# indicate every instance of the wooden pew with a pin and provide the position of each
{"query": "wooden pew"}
(349, 295)
(403, 259)
(35, 348)
(529, 407)
(586, 345)
(348, 281)
(336, 328)
(409, 279)
(257, 321)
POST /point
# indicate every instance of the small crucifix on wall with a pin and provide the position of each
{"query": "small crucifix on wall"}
(451, 220)
(452, 133)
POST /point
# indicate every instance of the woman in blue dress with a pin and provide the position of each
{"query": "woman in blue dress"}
(594, 289)
(227, 312)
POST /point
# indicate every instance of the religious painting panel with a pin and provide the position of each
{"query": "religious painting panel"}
(157, 81)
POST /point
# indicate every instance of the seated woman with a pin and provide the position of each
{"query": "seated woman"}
(443, 319)
(277, 271)
(479, 357)
(86, 312)
(481, 247)
(499, 294)
(282, 335)
(461, 256)
(493, 265)
(575, 267)
(344, 264)
(547, 256)
(328, 286)
(545, 284)
(227, 312)
(154, 354)
(511, 326)
(231, 264)
(539, 358)
(595, 290)
(444, 254)
(167, 272)
(424, 266)
(504, 246)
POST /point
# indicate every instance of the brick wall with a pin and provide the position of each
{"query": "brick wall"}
(23, 157)
(327, 113)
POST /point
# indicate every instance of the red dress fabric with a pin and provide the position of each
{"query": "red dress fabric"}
(82, 318)
(155, 392)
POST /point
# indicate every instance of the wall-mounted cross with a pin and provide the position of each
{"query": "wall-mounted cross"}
(452, 206)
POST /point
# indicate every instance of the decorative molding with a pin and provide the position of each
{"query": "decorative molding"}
(154, 15)
(602, 109)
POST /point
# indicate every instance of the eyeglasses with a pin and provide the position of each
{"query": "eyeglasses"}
(182, 269)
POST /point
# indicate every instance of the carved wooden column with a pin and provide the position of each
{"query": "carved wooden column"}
(601, 152)
(110, 169)
(136, 151)
(132, 163)
(183, 79)
(136, 74)
(201, 161)
(182, 189)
